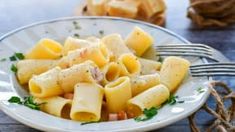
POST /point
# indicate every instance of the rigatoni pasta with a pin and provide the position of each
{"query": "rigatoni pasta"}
(149, 66)
(28, 68)
(111, 72)
(117, 93)
(84, 107)
(141, 83)
(129, 64)
(56, 106)
(45, 49)
(153, 97)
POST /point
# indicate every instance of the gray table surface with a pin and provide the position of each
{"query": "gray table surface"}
(16, 13)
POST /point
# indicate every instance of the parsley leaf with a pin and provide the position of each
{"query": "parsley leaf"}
(200, 90)
(76, 35)
(28, 102)
(15, 99)
(13, 68)
(147, 114)
(90, 122)
(12, 58)
(20, 56)
(172, 100)
(160, 59)
(3, 59)
(101, 32)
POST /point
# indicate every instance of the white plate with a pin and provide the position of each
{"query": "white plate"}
(23, 38)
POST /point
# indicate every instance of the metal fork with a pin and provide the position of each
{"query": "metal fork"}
(198, 50)
(213, 69)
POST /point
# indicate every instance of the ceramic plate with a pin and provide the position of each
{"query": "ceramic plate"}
(23, 38)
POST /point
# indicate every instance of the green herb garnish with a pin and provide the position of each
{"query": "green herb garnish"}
(76, 35)
(160, 59)
(3, 59)
(20, 56)
(172, 100)
(15, 99)
(28, 102)
(90, 122)
(200, 90)
(12, 58)
(101, 32)
(13, 68)
(76, 26)
(147, 114)
(181, 101)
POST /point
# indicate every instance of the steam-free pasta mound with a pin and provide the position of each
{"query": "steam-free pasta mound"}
(95, 79)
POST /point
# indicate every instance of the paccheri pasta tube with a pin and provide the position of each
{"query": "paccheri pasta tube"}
(111, 72)
(87, 102)
(46, 84)
(173, 71)
(153, 97)
(56, 106)
(98, 53)
(117, 93)
(129, 64)
(84, 72)
(141, 83)
(56, 81)
(74, 43)
(29, 67)
(139, 41)
(45, 49)
(116, 45)
(149, 66)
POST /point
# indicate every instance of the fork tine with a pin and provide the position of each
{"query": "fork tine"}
(184, 45)
(184, 48)
(176, 51)
(213, 69)
(213, 74)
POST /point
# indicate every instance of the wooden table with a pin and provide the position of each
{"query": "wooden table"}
(16, 13)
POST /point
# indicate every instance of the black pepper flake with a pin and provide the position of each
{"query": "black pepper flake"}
(101, 32)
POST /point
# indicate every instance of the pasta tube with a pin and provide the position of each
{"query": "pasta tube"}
(153, 97)
(117, 93)
(116, 45)
(149, 66)
(173, 72)
(28, 68)
(111, 72)
(139, 41)
(73, 43)
(98, 53)
(129, 65)
(45, 49)
(84, 72)
(46, 84)
(141, 83)
(87, 102)
(56, 106)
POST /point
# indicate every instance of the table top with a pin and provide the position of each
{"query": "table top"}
(18, 13)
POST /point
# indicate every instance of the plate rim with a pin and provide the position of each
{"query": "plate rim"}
(149, 126)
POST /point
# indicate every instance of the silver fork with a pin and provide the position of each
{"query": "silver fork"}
(213, 69)
(198, 50)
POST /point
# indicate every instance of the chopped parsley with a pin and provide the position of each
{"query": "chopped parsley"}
(28, 102)
(101, 32)
(90, 122)
(76, 35)
(12, 58)
(172, 100)
(147, 114)
(76, 25)
(13, 68)
(19, 56)
(160, 59)
(200, 90)
(3, 59)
